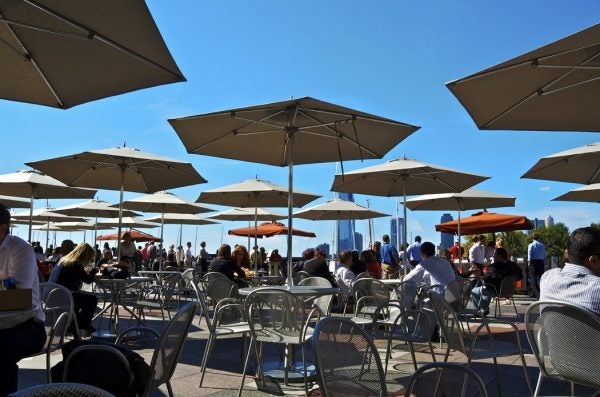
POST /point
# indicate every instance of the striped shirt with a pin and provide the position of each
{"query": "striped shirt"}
(573, 284)
(432, 271)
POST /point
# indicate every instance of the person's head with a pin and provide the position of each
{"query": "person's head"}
(172, 247)
(127, 237)
(107, 254)
(500, 243)
(66, 246)
(456, 243)
(427, 249)
(377, 246)
(241, 256)
(491, 244)
(385, 238)
(308, 253)
(83, 254)
(583, 248)
(367, 256)
(500, 255)
(262, 249)
(224, 251)
(4, 222)
(475, 239)
(189, 244)
(445, 253)
(535, 236)
(346, 258)
(320, 254)
(418, 239)
(482, 239)
(203, 244)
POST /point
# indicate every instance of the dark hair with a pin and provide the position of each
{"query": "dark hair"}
(224, 251)
(428, 249)
(4, 215)
(344, 255)
(418, 238)
(385, 238)
(367, 256)
(308, 253)
(501, 252)
(583, 243)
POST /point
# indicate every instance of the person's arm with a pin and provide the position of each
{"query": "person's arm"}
(23, 266)
(529, 251)
(86, 277)
(415, 274)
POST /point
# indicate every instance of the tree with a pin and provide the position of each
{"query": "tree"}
(555, 239)
(516, 243)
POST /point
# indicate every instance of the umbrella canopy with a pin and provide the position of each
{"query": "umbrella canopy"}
(136, 235)
(65, 53)
(14, 202)
(47, 228)
(181, 219)
(404, 177)
(46, 215)
(163, 202)
(578, 165)
(127, 221)
(297, 131)
(93, 209)
(75, 226)
(245, 214)
(120, 169)
(486, 222)
(35, 185)
(469, 199)
(253, 193)
(269, 229)
(590, 193)
(338, 209)
(553, 88)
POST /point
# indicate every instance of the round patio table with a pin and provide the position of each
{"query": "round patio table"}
(10, 318)
(116, 288)
(274, 369)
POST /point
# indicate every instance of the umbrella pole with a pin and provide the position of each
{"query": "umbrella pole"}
(404, 231)
(249, 226)
(290, 136)
(47, 233)
(459, 245)
(31, 217)
(162, 226)
(121, 212)
(255, 236)
(96, 230)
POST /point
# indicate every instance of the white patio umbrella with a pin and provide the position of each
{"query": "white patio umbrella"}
(14, 202)
(78, 227)
(470, 199)
(578, 165)
(95, 209)
(297, 131)
(403, 177)
(588, 193)
(35, 185)
(121, 169)
(254, 193)
(47, 216)
(129, 222)
(163, 202)
(180, 219)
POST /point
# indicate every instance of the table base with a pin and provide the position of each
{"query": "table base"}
(273, 369)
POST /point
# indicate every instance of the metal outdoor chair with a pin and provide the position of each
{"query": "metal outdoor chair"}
(369, 294)
(477, 345)
(158, 296)
(323, 303)
(347, 360)
(55, 300)
(227, 319)
(65, 389)
(79, 369)
(565, 339)
(507, 290)
(276, 316)
(445, 379)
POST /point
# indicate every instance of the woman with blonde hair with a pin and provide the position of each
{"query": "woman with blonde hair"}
(71, 273)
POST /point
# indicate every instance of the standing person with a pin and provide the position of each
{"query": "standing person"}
(578, 281)
(377, 250)
(476, 253)
(203, 258)
(390, 261)
(189, 256)
(152, 255)
(180, 256)
(71, 273)
(457, 251)
(536, 258)
(28, 337)
(414, 252)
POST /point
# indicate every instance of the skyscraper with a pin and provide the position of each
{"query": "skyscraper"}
(345, 228)
(549, 221)
(446, 239)
(394, 232)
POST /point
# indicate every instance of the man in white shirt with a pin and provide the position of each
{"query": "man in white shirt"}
(432, 270)
(17, 259)
(477, 252)
(344, 277)
(188, 256)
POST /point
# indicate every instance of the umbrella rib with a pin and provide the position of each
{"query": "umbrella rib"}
(94, 35)
(27, 55)
(359, 117)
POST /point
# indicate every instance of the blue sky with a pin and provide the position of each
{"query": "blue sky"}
(389, 58)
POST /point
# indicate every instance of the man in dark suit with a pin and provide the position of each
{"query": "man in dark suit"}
(317, 267)
(224, 264)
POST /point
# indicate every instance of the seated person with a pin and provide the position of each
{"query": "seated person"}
(71, 273)
(499, 269)
(373, 266)
(357, 265)
(432, 270)
(223, 263)
(344, 277)
(27, 337)
(578, 281)
(106, 258)
(317, 267)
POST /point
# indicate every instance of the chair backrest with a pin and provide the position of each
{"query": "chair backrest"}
(347, 360)
(299, 276)
(137, 338)
(458, 293)
(449, 322)
(208, 277)
(187, 277)
(56, 300)
(109, 369)
(565, 339)
(170, 345)
(507, 287)
(61, 390)
(225, 313)
(275, 315)
(363, 275)
(56, 336)
(445, 379)
(369, 294)
(406, 292)
(323, 303)
(221, 288)
(171, 268)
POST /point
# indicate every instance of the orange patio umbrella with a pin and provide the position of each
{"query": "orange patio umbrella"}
(486, 222)
(269, 229)
(136, 235)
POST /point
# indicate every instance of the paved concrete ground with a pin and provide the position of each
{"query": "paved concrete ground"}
(224, 373)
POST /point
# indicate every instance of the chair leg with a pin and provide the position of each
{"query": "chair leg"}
(512, 299)
(245, 367)
(169, 389)
(538, 386)
(207, 350)
(412, 354)
(527, 380)
(431, 349)
(497, 377)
